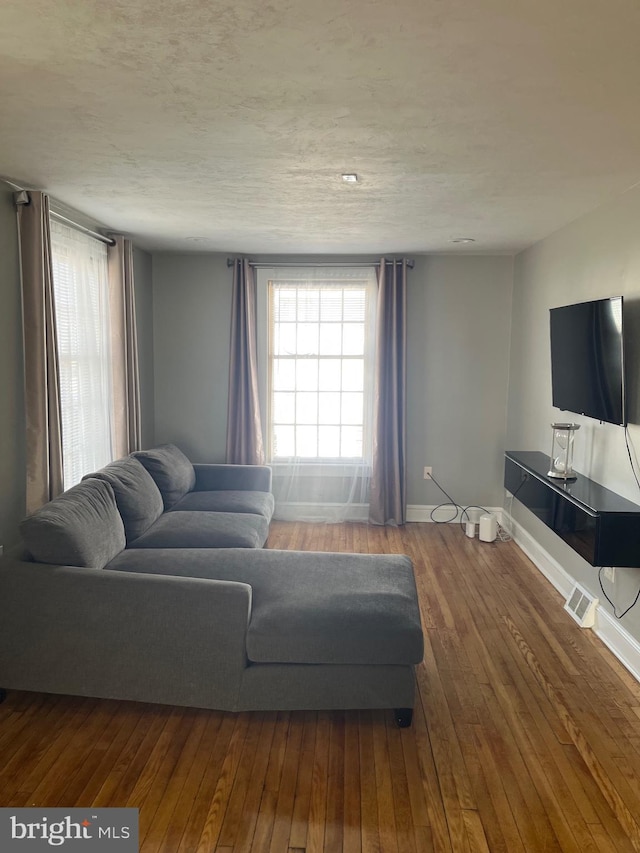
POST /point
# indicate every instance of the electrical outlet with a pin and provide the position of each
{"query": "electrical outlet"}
(427, 472)
(610, 573)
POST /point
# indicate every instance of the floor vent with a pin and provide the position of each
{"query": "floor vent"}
(581, 605)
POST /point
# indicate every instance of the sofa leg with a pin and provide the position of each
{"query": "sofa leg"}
(403, 716)
(3, 694)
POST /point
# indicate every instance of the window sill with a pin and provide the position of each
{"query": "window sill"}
(322, 468)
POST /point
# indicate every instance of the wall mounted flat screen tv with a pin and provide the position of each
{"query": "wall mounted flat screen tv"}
(587, 359)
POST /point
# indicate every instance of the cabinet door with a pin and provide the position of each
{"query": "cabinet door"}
(577, 526)
(619, 540)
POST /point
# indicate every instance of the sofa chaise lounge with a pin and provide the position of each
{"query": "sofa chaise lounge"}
(147, 581)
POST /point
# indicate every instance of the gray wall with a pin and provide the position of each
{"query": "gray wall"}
(191, 311)
(12, 424)
(458, 353)
(12, 420)
(458, 340)
(596, 256)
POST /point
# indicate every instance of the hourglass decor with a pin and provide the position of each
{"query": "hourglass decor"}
(562, 451)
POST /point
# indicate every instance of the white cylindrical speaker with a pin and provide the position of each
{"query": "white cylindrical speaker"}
(488, 527)
(470, 529)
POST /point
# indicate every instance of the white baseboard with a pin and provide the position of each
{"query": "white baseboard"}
(360, 512)
(542, 559)
(623, 645)
(422, 513)
(317, 512)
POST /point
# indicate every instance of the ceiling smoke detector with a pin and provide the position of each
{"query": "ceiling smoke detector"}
(463, 240)
(350, 178)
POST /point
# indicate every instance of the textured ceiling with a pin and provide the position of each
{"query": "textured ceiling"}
(208, 125)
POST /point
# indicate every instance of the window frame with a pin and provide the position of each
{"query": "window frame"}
(363, 278)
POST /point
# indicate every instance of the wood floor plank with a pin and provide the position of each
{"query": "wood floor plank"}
(433, 797)
(268, 802)
(185, 804)
(302, 801)
(370, 833)
(512, 748)
(500, 824)
(132, 760)
(256, 789)
(351, 832)
(186, 832)
(158, 824)
(334, 820)
(386, 807)
(253, 746)
(52, 751)
(21, 766)
(279, 841)
(319, 786)
(217, 806)
(403, 814)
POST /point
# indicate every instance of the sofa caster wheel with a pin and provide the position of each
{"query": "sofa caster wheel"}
(403, 716)
(3, 694)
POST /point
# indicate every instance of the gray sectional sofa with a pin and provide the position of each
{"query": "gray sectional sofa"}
(148, 582)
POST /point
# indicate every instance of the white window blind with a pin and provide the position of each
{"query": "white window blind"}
(321, 351)
(81, 296)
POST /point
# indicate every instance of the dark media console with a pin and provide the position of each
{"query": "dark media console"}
(600, 525)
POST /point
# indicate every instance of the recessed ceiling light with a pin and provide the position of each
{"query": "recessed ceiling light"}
(463, 240)
(350, 179)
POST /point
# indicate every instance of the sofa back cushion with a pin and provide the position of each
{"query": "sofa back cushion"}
(138, 498)
(81, 527)
(173, 473)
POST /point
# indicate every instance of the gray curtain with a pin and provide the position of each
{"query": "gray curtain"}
(124, 348)
(41, 373)
(244, 428)
(387, 503)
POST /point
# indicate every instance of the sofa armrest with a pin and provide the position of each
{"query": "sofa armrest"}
(123, 635)
(245, 478)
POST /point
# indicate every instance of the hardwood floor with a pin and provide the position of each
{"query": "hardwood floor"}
(526, 734)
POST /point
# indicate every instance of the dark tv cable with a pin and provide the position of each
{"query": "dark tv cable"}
(627, 441)
(615, 611)
(456, 507)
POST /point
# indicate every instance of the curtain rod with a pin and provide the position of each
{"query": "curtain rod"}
(97, 236)
(22, 197)
(264, 265)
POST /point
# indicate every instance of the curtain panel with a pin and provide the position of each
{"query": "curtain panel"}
(124, 348)
(387, 503)
(41, 371)
(244, 427)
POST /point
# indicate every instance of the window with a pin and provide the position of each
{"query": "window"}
(321, 335)
(81, 296)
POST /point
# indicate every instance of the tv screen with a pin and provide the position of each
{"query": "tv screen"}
(587, 359)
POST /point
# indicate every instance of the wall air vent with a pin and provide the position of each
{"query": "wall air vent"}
(581, 605)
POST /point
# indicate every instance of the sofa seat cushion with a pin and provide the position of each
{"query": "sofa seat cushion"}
(80, 527)
(172, 471)
(137, 496)
(337, 609)
(307, 607)
(223, 500)
(205, 530)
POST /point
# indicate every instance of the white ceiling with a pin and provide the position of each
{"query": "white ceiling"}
(208, 125)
